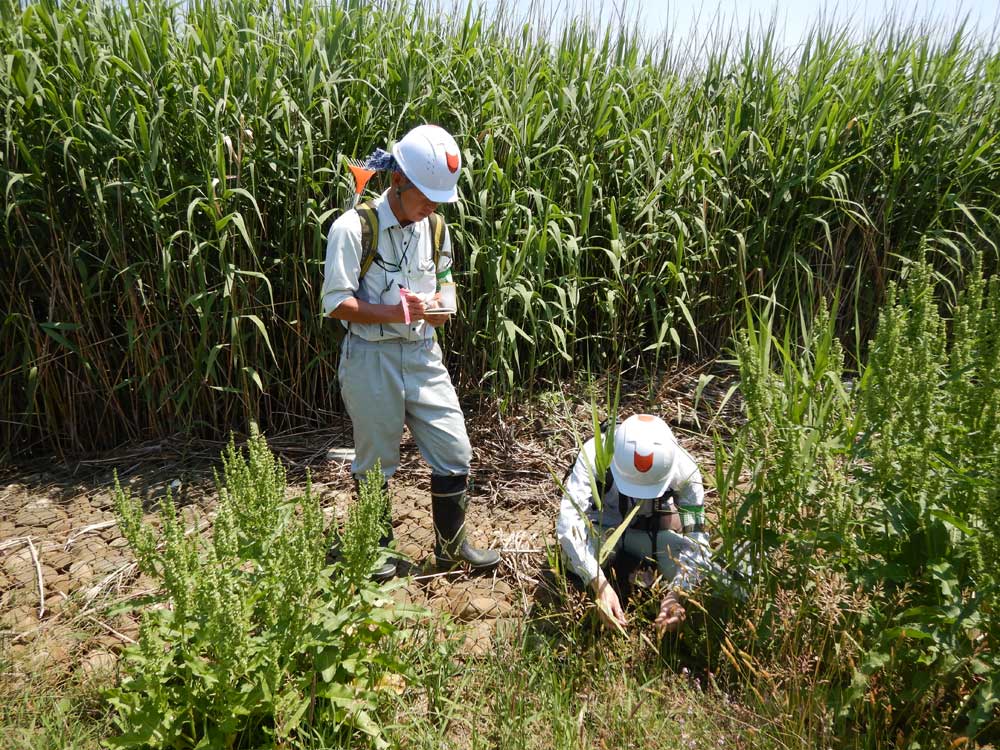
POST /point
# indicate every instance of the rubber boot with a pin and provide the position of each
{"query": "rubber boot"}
(387, 569)
(451, 547)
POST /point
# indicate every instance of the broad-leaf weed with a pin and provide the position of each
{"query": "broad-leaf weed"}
(871, 511)
(256, 641)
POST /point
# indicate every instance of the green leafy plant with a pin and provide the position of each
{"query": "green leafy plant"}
(254, 640)
(871, 508)
(930, 459)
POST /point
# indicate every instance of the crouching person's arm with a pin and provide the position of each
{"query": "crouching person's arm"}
(695, 558)
(578, 544)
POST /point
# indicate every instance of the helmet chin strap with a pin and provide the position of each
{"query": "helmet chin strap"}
(398, 208)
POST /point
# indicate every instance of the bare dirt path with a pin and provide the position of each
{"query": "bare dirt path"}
(63, 561)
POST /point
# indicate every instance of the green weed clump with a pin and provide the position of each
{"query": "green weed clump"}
(255, 641)
(872, 514)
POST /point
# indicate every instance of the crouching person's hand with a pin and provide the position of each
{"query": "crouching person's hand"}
(672, 614)
(608, 606)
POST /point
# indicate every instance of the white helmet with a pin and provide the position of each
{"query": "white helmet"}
(430, 159)
(644, 456)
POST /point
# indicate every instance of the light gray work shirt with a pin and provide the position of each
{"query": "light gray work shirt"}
(405, 258)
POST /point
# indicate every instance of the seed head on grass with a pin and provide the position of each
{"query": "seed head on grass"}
(367, 521)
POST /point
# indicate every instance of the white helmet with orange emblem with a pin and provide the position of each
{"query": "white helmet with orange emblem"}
(430, 159)
(645, 449)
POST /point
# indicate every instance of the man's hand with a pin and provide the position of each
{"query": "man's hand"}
(433, 318)
(437, 319)
(410, 301)
(608, 606)
(672, 614)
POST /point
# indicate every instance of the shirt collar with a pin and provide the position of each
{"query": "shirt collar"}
(386, 218)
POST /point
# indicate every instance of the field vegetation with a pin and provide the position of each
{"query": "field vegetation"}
(871, 519)
(170, 172)
(823, 221)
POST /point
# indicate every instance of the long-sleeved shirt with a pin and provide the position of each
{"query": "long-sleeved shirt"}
(405, 259)
(580, 518)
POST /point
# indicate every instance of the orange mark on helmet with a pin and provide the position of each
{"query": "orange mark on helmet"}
(452, 160)
(642, 463)
(646, 418)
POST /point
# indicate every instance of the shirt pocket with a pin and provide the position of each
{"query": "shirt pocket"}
(425, 278)
(390, 296)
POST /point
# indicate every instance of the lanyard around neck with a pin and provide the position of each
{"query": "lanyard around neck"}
(402, 256)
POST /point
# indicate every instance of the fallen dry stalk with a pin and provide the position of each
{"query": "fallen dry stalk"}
(111, 630)
(429, 576)
(79, 534)
(38, 573)
(106, 581)
(33, 551)
(13, 543)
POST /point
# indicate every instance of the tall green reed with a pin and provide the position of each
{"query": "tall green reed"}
(170, 174)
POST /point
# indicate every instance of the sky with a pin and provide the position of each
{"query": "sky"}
(793, 18)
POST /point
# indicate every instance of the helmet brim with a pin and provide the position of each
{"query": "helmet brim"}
(639, 491)
(437, 196)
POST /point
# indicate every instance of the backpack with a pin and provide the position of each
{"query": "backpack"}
(369, 244)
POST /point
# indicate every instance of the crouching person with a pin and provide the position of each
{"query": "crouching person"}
(650, 470)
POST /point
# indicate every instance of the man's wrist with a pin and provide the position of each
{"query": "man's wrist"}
(598, 581)
(677, 594)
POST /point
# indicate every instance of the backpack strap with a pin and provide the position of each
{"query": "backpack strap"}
(369, 241)
(369, 237)
(437, 241)
(664, 514)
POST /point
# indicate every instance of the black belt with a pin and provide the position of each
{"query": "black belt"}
(667, 521)
(664, 517)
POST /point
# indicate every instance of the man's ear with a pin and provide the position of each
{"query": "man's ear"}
(400, 182)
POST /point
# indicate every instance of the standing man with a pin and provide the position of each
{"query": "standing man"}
(649, 469)
(384, 263)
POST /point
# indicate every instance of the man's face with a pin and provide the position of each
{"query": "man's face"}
(415, 205)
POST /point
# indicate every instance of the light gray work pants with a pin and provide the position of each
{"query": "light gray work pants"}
(668, 552)
(386, 384)
(677, 557)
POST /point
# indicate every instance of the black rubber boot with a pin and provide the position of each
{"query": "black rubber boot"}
(451, 547)
(387, 569)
